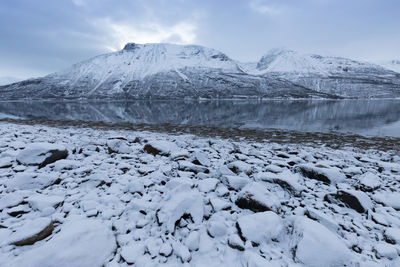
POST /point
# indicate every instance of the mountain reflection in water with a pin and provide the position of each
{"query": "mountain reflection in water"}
(368, 117)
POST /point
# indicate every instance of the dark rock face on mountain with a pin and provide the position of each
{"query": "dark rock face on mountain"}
(167, 71)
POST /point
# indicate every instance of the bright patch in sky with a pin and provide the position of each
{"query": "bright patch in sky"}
(120, 34)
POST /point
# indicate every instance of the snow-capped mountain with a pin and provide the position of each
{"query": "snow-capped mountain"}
(168, 71)
(393, 65)
(326, 74)
(4, 80)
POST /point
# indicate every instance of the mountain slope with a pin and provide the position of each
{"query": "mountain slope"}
(334, 75)
(167, 71)
(393, 65)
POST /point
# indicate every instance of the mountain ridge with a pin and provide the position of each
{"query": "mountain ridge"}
(170, 71)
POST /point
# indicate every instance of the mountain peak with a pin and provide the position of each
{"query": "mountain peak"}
(130, 46)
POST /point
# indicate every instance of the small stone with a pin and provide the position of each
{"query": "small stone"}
(235, 242)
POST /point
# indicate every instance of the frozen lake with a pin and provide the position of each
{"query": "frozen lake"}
(365, 117)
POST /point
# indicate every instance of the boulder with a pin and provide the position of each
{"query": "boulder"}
(164, 148)
(41, 154)
(256, 197)
(32, 231)
(132, 252)
(6, 162)
(314, 245)
(368, 182)
(189, 203)
(235, 182)
(353, 199)
(326, 175)
(118, 146)
(260, 227)
(81, 242)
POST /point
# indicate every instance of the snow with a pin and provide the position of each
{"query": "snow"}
(393, 234)
(37, 153)
(180, 203)
(391, 199)
(115, 209)
(369, 181)
(29, 229)
(261, 226)
(6, 162)
(208, 184)
(80, 242)
(317, 246)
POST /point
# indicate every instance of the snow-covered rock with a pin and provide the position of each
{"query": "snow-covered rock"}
(161, 214)
(353, 199)
(41, 154)
(315, 245)
(32, 231)
(324, 174)
(164, 148)
(235, 182)
(390, 199)
(208, 185)
(369, 181)
(181, 203)
(260, 227)
(132, 252)
(118, 146)
(256, 197)
(79, 243)
(6, 162)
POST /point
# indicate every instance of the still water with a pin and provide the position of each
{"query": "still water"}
(366, 117)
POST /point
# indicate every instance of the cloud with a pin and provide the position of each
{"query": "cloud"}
(266, 8)
(117, 34)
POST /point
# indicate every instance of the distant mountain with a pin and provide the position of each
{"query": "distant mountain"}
(393, 65)
(332, 75)
(4, 80)
(168, 71)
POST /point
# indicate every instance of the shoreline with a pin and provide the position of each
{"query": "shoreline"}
(114, 197)
(334, 140)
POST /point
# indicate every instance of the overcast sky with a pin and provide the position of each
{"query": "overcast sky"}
(38, 37)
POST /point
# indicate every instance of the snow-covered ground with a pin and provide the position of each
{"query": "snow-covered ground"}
(89, 197)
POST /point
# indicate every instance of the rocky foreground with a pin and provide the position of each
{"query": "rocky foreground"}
(84, 197)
